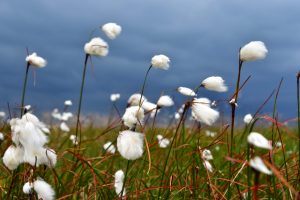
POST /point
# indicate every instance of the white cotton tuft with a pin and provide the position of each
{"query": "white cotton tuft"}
(109, 147)
(66, 116)
(64, 127)
(258, 164)
(134, 99)
(27, 188)
(133, 115)
(203, 113)
(248, 118)
(115, 97)
(165, 101)
(74, 140)
(12, 157)
(119, 182)
(43, 190)
(68, 103)
(208, 166)
(214, 83)
(255, 50)
(206, 154)
(160, 61)
(186, 91)
(210, 133)
(55, 114)
(36, 60)
(259, 140)
(148, 106)
(130, 144)
(2, 114)
(162, 142)
(1, 136)
(96, 47)
(50, 158)
(111, 30)
(177, 115)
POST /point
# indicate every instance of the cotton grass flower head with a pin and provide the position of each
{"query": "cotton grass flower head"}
(66, 116)
(258, 140)
(206, 155)
(160, 61)
(119, 182)
(74, 140)
(214, 83)
(109, 147)
(130, 144)
(64, 127)
(68, 103)
(111, 30)
(203, 113)
(165, 101)
(28, 188)
(255, 50)
(248, 118)
(12, 157)
(2, 114)
(258, 164)
(210, 133)
(133, 115)
(96, 47)
(1, 136)
(36, 61)
(162, 142)
(186, 91)
(115, 97)
(134, 99)
(208, 166)
(43, 190)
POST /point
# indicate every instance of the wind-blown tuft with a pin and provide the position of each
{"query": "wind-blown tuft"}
(133, 115)
(203, 113)
(186, 91)
(119, 182)
(115, 97)
(134, 99)
(111, 30)
(43, 190)
(161, 62)
(36, 61)
(165, 101)
(255, 50)
(259, 140)
(130, 144)
(248, 118)
(109, 147)
(258, 164)
(214, 83)
(162, 142)
(96, 47)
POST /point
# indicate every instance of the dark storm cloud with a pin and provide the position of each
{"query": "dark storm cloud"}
(202, 38)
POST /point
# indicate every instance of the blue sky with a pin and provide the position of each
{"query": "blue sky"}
(202, 39)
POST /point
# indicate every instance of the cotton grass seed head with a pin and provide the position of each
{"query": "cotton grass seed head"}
(68, 103)
(111, 30)
(114, 97)
(255, 50)
(134, 99)
(258, 164)
(27, 188)
(258, 140)
(133, 115)
(165, 101)
(160, 62)
(43, 190)
(214, 83)
(36, 61)
(109, 147)
(12, 157)
(186, 91)
(130, 144)
(119, 182)
(96, 47)
(248, 118)
(203, 113)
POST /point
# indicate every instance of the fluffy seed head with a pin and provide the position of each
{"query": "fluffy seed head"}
(12, 157)
(27, 188)
(36, 61)
(206, 154)
(162, 142)
(112, 30)
(96, 47)
(130, 144)
(248, 118)
(68, 103)
(64, 127)
(258, 164)
(160, 61)
(214, 83)
(133, 115)
(203, 113)
(186, 91)
(134, 99)
(259, 140)
(119, 181)
(165, 101)
(208, 166)
(255, 50)
(115, 97)
(109, 147)
(43, 190)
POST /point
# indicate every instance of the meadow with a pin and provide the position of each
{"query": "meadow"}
(199, 154)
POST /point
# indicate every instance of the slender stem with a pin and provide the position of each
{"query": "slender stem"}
(298, 108)
(143, 87)
(125, 177)
(80, 98)
(24, 88)
(256, 184)
(233, 109)
(168, 155)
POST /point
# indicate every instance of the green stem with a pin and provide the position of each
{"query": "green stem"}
(298, 108)
(24, 88)
(144, 83)
(125, 177)
(80, 98)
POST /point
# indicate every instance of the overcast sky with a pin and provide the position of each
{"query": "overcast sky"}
(202, 38)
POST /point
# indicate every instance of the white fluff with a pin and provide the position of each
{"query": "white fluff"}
(165, 101)
(96, 47)
(66, 116)
(119, 182)
(36, 60)
(74, 140)
(177, 115)
(133, 115)
(55, 114)
(68, 103)
(214, 83)
(248, 118)
(43, 190)
(186, 91)
(259, 140)
(12, 157)
(206, 154)
(27, 188)
(112, 30)
(162, 142)
(109, 147)
(255, 50)
(2, 114)
(130, 144)
(258, 164)
(64, 127)
(1, 136)
(134, 99)
(203, 113)
(210, 133)
(148, 106)
(160, 61)
(115, 97)
(208, 166)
